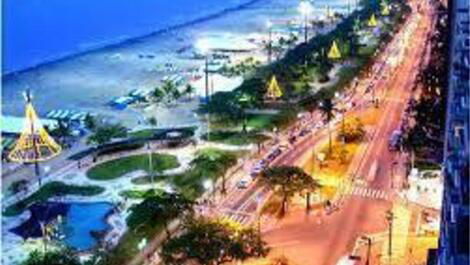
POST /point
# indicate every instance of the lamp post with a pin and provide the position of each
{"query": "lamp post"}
(389, 216)
(369, 245)
(203, 46)
(269, 25)
(305, 8)
(150, 162)
(46, 173)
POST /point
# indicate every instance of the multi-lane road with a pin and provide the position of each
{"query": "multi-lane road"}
(303, 238)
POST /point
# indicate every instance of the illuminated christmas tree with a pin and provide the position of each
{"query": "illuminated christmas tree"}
(372, 22)
(334, 52)
(34, 144)
(274, 91)
(385, 10)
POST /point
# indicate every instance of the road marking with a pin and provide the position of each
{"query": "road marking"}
(364, 192)
(376, 193)
(286, 243)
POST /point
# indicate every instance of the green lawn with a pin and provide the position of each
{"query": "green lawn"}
(143, 133)
(127, 247)
(261, 122)
(140, 194)
(209, 163)
(50, 190)
(118, 167)
(235, 137)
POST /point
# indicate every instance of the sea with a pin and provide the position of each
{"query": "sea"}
(38, 31)
(80, 54)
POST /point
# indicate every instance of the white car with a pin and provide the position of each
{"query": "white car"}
(243, 183)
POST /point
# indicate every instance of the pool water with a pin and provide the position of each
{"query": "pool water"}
(81, 220)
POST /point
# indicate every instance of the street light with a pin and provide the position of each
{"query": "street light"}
(269, 25)
(305, 8)
(369, 245)
(389, 217)
(203, 46)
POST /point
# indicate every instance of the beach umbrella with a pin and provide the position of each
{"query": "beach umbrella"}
(334, 52)
(274, 91)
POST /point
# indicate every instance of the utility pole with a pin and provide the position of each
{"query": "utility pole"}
(270, 41)
(207, 76)
(150, 163)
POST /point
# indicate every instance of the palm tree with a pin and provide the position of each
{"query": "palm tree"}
(104, 134)
(90, 122)
(56, 257)
(288, 181)
(62, 131)
(211, 165)
(189, 90)
(327, 108)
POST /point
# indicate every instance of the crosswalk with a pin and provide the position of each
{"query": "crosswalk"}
(366, 192)
(241, 218)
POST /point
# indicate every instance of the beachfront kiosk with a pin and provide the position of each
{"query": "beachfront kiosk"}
(34, 144)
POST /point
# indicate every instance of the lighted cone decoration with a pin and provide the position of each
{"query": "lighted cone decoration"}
(334, 52)
(372, 22)
(385, 11)
(34, 144)
(274, 91)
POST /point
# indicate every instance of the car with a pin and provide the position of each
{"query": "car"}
(304, 132)
(394, 141)
(243, 183)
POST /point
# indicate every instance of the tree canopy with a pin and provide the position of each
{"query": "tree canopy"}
(288, 181)
(161, 208)
(210, 242)
(55, 257)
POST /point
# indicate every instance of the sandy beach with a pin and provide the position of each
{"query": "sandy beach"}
(87, 82)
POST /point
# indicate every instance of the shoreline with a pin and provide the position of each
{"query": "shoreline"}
(126, 41)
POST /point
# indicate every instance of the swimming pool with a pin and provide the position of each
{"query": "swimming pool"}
(80, 220)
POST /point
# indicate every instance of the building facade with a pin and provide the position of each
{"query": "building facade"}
(454, 232)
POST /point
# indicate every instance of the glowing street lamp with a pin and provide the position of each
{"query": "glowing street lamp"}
(269, 25)
(305, 8)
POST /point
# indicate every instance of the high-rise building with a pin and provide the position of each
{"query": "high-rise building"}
(454, 233)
